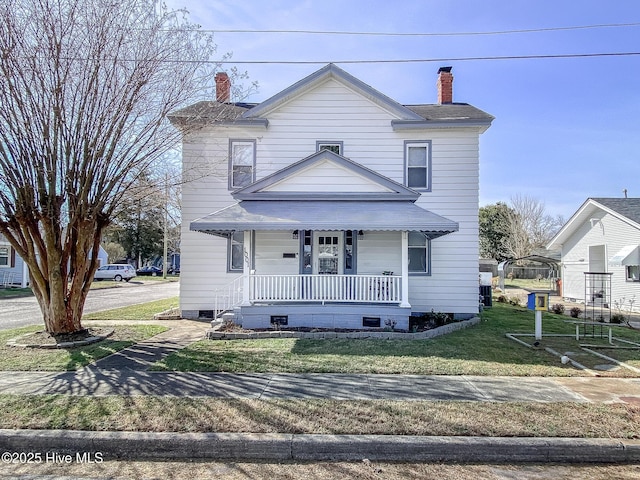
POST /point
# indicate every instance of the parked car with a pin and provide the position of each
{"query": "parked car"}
(116, 272)
(149, 270)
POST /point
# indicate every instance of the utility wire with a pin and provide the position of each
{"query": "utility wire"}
(425, 34)
(426, 60)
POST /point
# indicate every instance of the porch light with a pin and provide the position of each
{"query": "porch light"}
(360, 234)
(294, 234)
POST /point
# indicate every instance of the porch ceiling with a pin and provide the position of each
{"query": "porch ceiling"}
(324, 215)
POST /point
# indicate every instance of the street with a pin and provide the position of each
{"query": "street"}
(20, 312)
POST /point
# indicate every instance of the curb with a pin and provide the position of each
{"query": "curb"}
(293, 447)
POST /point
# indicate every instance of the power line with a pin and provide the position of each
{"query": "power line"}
(426, 60)
(427, 34)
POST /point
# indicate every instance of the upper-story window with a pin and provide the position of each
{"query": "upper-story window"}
(335, 147)
(242, 163)
(417, 161)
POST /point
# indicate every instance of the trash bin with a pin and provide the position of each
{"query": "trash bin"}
(486, 293)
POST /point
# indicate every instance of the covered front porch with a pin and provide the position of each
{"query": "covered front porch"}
(324, 264)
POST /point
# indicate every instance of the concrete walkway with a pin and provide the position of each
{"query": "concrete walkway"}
(126, 373)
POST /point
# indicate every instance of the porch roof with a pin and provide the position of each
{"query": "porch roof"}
(324, 215)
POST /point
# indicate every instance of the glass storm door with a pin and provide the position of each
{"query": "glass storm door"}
(328, 246)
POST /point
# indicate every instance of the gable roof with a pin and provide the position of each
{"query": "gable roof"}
(331, 71)
(626, 209)
(408, 116)
(389, 190)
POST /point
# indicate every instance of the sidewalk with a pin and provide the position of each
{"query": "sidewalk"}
(126, 373)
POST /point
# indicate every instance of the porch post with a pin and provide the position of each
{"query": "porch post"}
(246, 279)
(404, 298)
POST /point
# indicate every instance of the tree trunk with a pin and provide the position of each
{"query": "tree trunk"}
(61, 264)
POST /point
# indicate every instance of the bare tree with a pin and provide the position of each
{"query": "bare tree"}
(530, 227)
(85, 88)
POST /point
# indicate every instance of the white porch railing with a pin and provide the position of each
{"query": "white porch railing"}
(229, 296)
(325, 288)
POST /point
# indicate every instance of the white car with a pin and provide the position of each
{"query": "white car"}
(116, 272)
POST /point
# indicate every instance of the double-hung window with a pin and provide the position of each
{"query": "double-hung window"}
(242, 162)
(419, 253)
(235, 252)
(417, 160)
(5, 255)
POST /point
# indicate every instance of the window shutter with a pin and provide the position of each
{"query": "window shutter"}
(13, 257)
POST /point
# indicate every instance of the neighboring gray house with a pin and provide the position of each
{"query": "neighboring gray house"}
(602, 236)
(330, 205)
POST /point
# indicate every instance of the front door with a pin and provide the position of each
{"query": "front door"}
(328, 252)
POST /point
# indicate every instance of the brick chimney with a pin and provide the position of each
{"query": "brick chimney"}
(223, 87)
(445, 85)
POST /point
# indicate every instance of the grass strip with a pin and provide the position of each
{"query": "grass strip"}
(141, 311)
(32, 359)
(480, 350)
(296, 416)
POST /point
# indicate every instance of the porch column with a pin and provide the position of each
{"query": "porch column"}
(404, 296)
(246, 279)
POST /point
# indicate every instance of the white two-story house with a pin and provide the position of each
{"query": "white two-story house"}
(330, 205)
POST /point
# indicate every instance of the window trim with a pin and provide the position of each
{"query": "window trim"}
(627, 277)
(322, 143)
(417, 143)
(8, 265)
(230, 243)
(241, 141)
(426, 273)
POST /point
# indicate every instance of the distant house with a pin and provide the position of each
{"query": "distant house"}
(602, 236)
(14, 271)
(330, 205)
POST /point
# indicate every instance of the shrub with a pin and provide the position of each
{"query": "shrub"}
(515, 301)
(429, 320)
(617, 318)
(501, 299)
(557, 308)
(575, 312)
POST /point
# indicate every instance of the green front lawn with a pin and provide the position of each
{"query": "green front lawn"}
(141, 311)
(480, 350)
(26, 359)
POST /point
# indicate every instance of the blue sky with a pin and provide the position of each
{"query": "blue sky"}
(565, 128)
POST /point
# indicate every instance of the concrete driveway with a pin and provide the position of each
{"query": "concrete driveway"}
(20, 312)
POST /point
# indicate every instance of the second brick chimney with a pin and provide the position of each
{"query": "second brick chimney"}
(223, 87)
(445, 85)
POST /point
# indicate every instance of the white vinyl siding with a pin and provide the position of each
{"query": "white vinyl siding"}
(612, 233)
(292, 133)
